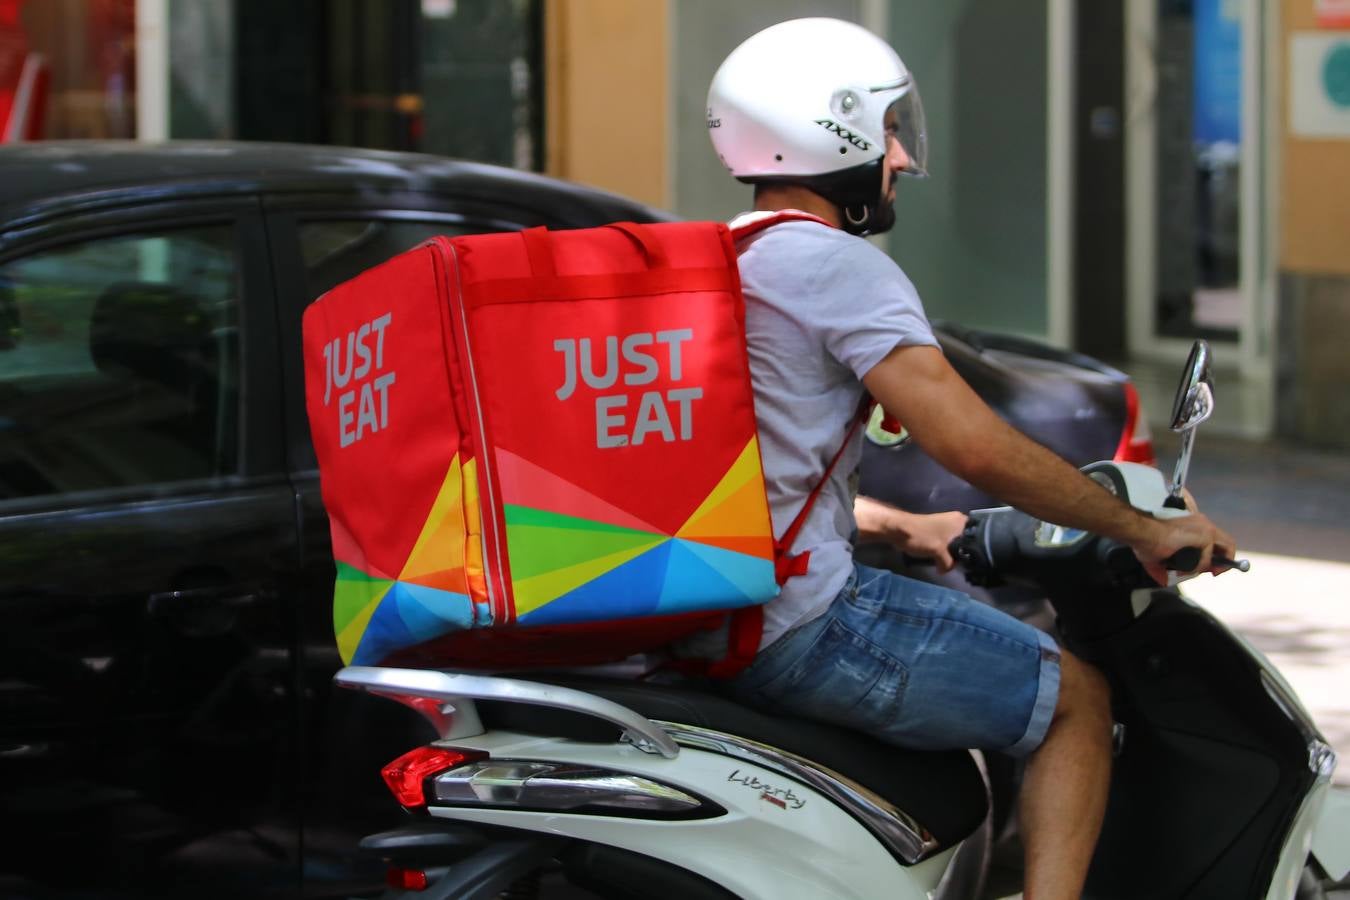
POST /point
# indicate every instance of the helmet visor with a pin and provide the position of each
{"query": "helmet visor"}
(904, 121)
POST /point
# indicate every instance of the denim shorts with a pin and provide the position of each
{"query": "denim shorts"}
(913, 664)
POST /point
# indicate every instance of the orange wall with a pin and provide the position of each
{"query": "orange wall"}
(1314, 189)
(606, 66)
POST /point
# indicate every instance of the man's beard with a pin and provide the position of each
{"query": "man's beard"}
(883, 219)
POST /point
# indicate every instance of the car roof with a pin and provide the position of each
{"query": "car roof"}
(48, 177)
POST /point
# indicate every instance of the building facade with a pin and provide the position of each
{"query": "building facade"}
(1120, 178)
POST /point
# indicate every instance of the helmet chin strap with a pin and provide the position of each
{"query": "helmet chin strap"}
(875, 217)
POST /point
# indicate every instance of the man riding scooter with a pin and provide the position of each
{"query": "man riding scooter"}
(822, 117)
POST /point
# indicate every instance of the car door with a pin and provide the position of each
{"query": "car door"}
(148, 532)
(318, 243)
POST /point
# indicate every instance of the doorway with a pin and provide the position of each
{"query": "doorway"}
(1173, 184)
(1193, 179)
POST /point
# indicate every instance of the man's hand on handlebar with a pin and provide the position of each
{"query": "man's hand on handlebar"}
(1175, 535)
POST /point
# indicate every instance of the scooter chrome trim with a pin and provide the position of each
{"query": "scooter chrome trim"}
(559, 786)
(1321, 758)
(454, 687)
(895, 829)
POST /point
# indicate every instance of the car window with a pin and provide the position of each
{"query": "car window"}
(339, 249)
(119, 363)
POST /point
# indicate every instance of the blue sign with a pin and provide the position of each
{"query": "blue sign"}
(1218, 72)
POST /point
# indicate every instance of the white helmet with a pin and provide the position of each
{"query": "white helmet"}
(811, 101)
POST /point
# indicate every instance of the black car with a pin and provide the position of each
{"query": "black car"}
(166, 720)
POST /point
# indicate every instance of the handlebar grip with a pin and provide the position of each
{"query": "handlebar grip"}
(1184, 560)
(1224, 562)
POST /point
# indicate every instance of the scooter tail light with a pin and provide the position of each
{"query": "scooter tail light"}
(1136, 439)
(407, 775)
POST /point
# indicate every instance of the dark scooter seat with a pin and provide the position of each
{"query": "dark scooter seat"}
(942, 790)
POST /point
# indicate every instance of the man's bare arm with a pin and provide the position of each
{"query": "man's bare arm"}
(953, 425)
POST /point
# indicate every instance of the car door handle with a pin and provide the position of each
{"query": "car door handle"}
(224, 596)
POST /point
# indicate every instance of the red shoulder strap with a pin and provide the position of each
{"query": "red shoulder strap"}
(787, 565)
(755, 222)
(746, 625)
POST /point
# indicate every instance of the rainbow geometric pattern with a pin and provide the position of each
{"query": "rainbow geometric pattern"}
(597, 561)
(376, 613)
(574, 557)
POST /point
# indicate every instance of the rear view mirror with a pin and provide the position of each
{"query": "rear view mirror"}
(1195, 395)
(1194, 404)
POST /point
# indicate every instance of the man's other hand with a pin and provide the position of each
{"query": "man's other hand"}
(921, 535)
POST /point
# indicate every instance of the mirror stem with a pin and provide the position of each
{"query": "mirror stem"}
(1183, 462)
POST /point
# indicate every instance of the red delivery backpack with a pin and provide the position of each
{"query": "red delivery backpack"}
(539, 448)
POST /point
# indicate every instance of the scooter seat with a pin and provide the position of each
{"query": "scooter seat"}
(942, 790)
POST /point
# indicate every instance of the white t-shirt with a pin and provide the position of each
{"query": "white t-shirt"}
(822, 307)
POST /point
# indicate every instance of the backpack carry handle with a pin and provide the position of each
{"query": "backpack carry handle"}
(539, 248)
(540, 252)
(651, 250)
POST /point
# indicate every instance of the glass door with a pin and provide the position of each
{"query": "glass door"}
(1193, 178)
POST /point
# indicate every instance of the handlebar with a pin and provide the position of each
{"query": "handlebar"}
(1003, 544)
(1187, 558)
(1184, 560)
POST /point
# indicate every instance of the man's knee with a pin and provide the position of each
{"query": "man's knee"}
(1082, 689)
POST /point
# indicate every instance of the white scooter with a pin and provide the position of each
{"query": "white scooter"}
(566, 785)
